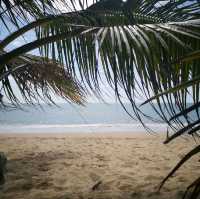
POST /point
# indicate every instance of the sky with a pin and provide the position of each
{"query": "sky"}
(108, 94)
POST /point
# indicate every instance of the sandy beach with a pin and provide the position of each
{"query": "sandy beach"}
(94, 166)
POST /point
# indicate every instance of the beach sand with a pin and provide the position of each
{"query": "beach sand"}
(67, 166)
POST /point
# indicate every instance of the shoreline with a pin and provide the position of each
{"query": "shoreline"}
(84, 134)
(83, 128)
(79, 136)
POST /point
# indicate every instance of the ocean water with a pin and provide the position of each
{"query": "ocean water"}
(64, 118)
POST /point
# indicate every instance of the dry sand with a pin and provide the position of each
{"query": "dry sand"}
(68, 166)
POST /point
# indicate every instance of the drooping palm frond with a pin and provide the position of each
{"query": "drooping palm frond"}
(195, 151)
(193, 191)
(191, 126)
(37, 79)
(143, 41)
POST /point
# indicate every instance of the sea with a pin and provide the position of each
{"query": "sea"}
(70, 118)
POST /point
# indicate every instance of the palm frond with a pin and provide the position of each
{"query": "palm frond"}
(189, 155)
(193, 190)
(37, 79)
(145, 40)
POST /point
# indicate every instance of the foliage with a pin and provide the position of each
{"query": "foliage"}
(37, 79)
(144, 46)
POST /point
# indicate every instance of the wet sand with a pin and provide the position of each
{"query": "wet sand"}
(94, 166)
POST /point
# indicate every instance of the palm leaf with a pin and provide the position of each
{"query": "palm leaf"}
(196, 191)
(182, 86)
(183, 160)
(37, 79)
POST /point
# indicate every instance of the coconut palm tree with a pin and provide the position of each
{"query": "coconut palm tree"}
(143, 46)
